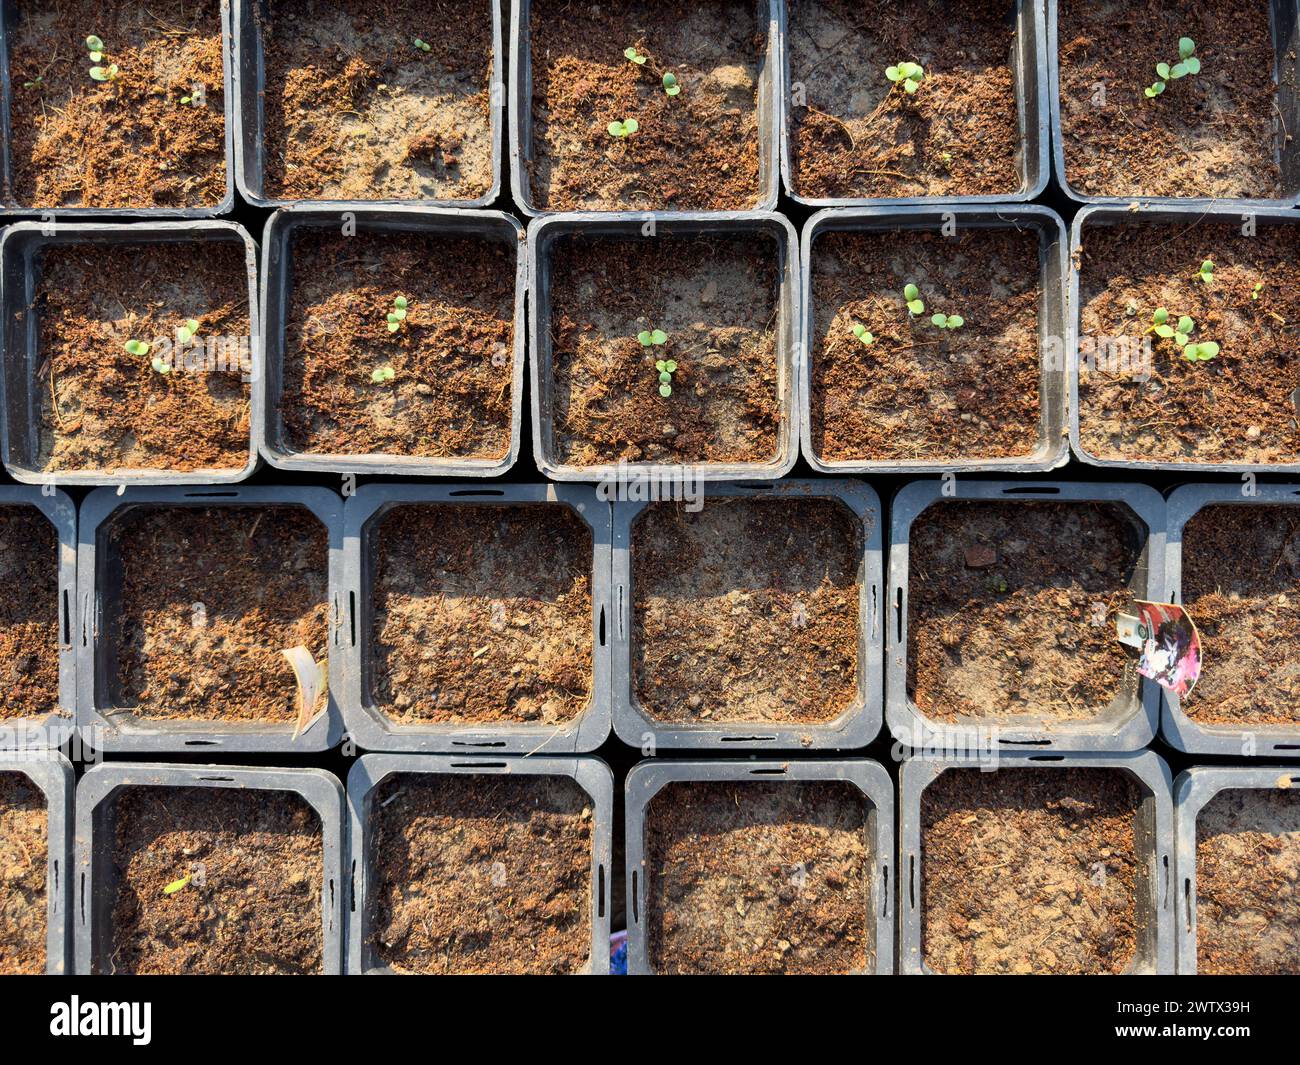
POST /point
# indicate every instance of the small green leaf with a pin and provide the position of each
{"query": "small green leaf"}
(910, 86)
(666, 378)
(661, 366)
(893, 74)
(910, 291)
(644, 338)
(665, 390)
(382, 374)
(915, 307)
(941, 320)
(1186, 46)
(1186, 324)
(160, 366)
(956, 321)
(177, 885)
(1192, 64)
(137, 347)
(401, 303)
(1179, 70)
(1181, 338)
(1165, 331)
(1208, 349)
(631, 125)
(394, 320)
(1155, 90)
(100, 74)
(1162, 70)
(617, 129)
(659, 338)
(670, 366)
(94, 44)
(1161, 316)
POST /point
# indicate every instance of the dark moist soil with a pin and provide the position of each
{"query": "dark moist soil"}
(857, 134)
(716, 298)
(103, 409)
(1241, 586)
(478, 874)
(1214, 134)
(1029, 871)
(355, 111)
(1247, 870)
(453, 357)
(746, 611)
(1011, 609)
(1236, 407)
(129, 143)
(755, 878)
(919, 392)
(23, 860)
(697, 151)
(482, 615)
(253, 905)
(29, 614)
(209, 599)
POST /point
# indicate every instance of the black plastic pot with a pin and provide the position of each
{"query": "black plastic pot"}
(373, 730)
(96, 873)
(99, 572)
(20, 267)
(277, 291)
(52, 774)
(51, 729)
(369, 771)
(1028, 62)
(9, 25)
(250, 112)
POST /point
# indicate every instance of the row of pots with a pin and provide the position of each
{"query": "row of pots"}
(81, 829)
(90, 574)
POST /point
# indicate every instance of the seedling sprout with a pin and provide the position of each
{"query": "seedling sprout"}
(177, 885)
(1181, 334)
(1254, 292)
(424, 46)
(95, 47)
(139, 348)
(912, 294)
(1187, 63)
(947, 321)
(635, 56)
(160, 366)
(671, 85)
(1206, 271)
(652, 337)
(861, 332)
(908, 75)
(188, 331)
(624, 128)
(398, 314)
(666, 368)
(382, 375)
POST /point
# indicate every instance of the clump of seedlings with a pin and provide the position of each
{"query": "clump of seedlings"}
(1255, 292)
(908, 75)
(657, 338)
(623, 128)
(1187, 63)
(398, 314)
(1181, 334)
(912, 294)
(95, 47)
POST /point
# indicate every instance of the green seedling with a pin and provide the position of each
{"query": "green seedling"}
(1181, 334)
(1187, 63)
(188, 331)
(624, 128)
(635, 56)
(861, 332)
(666, 368)
(177, 885)
(398, 314)
(1202, 352)
(138, 348)
(652, 337)
(424, 46)
(1206, 272)
(908, 75)
(671, 85)
(382, 375)
(912, 294)
(947, 321)
(160, 366)
(34, 82)
(95, 48)
(1254, 292)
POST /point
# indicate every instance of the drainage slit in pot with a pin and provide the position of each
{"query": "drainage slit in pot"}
(352, 618)
(1287, 747)
(464, 492)
(748, 739)
(1164, 862)
(202, 743)
(478, 765)
(898, 611)
(478, 743)
(1046, 757)
(54, 872)
(884, 900)
(83, 898)
(1026, 743)
(602, 626)
(67, 621)
(331, 902)
(911, 880)
(1187, 901)
(352, 885)
(600, 890)
(211, 495)
(219, 780)
(636, 909)
(1032, 490)
(769, 771)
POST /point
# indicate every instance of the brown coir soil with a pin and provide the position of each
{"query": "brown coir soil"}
(129, 143)
(919, 392)
(253, 905)
(29, 614)
(1011, 609)
(1241, 585)
(1236, 407)
(746, 611)
(104, 409)
(453, 357)
(854, 133)
(209, 599)
(1247, 872)
(755, 878)
(355, 111)
(697, 151)
(23, 859)
(1029, 871)
(482, 614)
(476, 874)
(716, 298)
(1213, 134)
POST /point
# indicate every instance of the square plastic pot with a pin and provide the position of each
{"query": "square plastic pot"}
(1179, 730)
(1154, 846)
(368, 726)
(369, 771)
(1193, 790)
(8, 26)
(543, 232)
(250, 115)
(1130, 721)
(52, 774)
(1028, 62)
(1284, 21)
(648, 778)
(768, 95)
(1179, 219)
(1052, 449)
(857, 726)
(52, 729)
(277, 292)
(21, 250)
(97, 830)
(116, 730)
